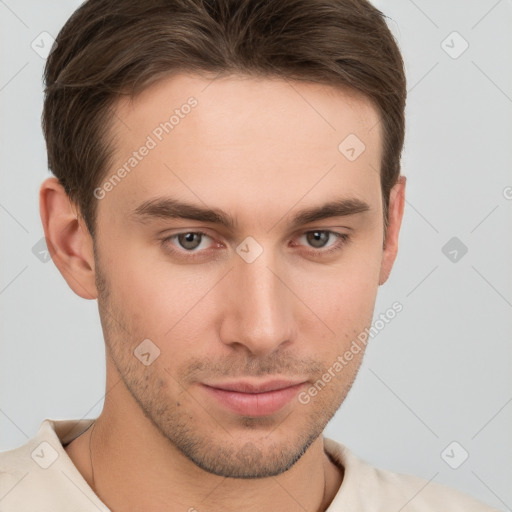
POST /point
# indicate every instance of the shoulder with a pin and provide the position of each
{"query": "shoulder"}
(366, 487)
(39, 475)
(17, 474)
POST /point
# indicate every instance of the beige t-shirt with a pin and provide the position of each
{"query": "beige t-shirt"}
(40, 476)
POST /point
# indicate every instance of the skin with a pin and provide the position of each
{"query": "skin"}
(260, 150)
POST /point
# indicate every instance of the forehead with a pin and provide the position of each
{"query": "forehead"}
(230, 107)
(246, 141)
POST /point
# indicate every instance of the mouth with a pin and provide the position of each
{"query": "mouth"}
(252, 398)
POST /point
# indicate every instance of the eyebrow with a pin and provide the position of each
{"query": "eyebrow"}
(170, 208)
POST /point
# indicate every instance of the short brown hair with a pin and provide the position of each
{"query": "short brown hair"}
(110, 48)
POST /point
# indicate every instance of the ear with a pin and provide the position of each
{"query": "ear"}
(395, 215)
(68, 239)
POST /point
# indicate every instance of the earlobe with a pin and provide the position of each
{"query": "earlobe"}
(395, 215)
(69, 241)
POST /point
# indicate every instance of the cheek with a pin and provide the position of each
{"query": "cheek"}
(346, 311)
(342, 299)
(166, 303)
(344, 293)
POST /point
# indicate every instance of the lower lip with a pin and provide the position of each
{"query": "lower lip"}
(254, 404)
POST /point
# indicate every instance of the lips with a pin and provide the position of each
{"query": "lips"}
(248, 387)
(254, 399)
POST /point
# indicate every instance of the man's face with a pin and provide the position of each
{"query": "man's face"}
(265, 299)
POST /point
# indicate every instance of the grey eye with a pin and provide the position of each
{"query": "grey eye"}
(190, 240)
(317, 238)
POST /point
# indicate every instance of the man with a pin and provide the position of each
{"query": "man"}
(228, 187)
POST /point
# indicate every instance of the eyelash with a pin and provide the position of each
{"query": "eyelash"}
(343, 239)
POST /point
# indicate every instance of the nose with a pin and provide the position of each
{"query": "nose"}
(259, 312)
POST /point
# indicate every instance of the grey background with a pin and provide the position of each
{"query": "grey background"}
(438, 373)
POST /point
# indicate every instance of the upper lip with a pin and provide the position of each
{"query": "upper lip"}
(255, 387)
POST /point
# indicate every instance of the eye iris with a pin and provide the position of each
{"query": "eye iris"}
(315, 237)
(186, 240)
